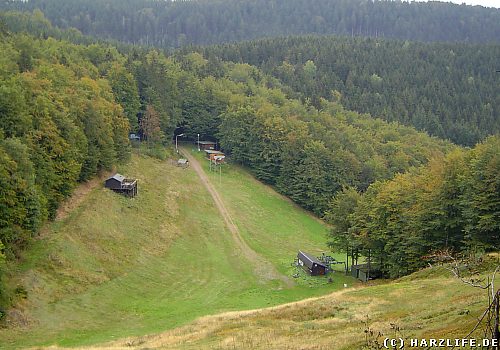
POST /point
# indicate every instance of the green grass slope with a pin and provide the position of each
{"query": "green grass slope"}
(116, 267)
(428, 304)
(271, 224)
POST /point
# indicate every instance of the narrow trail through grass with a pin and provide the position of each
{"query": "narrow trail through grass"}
(262, 267)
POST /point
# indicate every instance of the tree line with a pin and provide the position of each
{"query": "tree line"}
(452, 202)
(310, 155)
(449, 90)
(202, 22)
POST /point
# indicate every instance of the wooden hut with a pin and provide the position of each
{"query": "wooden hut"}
(211, 154)
(206, 145)
(121, 184)
(365, 272)
(311, 264)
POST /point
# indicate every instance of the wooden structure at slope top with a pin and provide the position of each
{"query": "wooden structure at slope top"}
(215, 156)
(206, 145)
(311, 264)
(121, 184)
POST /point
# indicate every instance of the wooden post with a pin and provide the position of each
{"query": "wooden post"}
(347, 258)
(496, 330)
(369, 264)
(352, 258)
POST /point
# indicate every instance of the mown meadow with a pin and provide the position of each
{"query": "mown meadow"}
(115, 267)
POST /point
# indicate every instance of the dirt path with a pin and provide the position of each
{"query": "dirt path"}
(77, 197)
(79, 194)
(262, 267)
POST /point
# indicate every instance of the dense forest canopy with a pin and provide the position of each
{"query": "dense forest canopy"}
(201, 22)
(450, 90)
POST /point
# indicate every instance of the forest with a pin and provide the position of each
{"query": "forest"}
(67, 109)
(60, 124)
(451, 203)
(202, 22)
(449, 90)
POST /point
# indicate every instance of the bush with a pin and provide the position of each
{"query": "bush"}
(157, 151)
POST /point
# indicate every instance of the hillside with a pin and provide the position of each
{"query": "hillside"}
(115, 267)
(80, 265)
(449, 90)
(202, 22)
(350, 319)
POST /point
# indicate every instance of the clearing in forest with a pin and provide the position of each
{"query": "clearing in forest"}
(114, 266)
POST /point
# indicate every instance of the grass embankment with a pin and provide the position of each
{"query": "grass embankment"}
(423, 306)
(116, 267)
(271, 224)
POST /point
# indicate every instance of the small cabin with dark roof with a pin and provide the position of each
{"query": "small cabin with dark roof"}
(120, 184)
(204, 145)
(311, 264)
